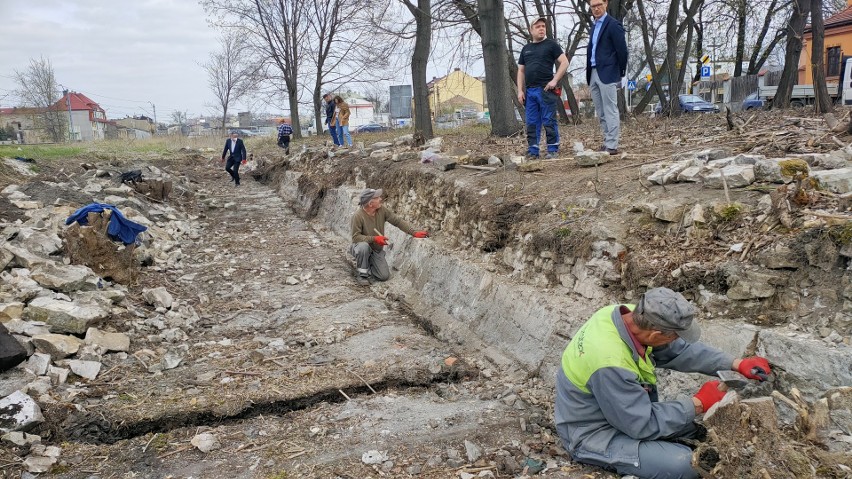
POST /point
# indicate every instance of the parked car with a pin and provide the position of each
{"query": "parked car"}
(752, 101)
(692, 104)
(370, 128)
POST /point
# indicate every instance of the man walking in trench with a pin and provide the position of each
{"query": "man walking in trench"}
(237, 150)
(538, 87)
(606, 64)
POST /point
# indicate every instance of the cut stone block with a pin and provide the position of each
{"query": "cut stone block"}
(64, 316)
(736, 176)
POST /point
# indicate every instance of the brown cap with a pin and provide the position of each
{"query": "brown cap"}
(539, 19)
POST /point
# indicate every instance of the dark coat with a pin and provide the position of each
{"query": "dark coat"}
(610, 54)
(239, 151)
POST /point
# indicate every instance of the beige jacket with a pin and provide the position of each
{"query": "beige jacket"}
(341, 112)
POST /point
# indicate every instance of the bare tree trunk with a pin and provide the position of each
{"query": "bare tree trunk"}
(790, 75)
(742, 18)
(422, 45)
(699, 49)
(649, 56)
(494, 51)
(672, 107)
(822, 102)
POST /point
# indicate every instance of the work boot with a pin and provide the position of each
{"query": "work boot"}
(362, 280)
(551, 156)
(613, 151)
(531, 157)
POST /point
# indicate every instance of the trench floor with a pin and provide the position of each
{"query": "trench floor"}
(295, 378)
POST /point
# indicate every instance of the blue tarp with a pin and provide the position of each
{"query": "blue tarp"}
(120, 228)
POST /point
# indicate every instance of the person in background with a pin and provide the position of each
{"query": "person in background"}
(284, 132)
(235, 149)
(329, 118)
(341, 121)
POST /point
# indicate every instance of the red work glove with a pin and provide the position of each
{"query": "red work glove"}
(222, 160)
(709, 394)
(244, 162)
(421, 234)
(754, 368)
(381, 240)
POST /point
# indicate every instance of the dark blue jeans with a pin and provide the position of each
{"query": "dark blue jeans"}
(333, 131)
(541, 112)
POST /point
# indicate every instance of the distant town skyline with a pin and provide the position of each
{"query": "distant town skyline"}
(127, 56)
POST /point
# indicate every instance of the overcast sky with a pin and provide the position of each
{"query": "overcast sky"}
(122, 54)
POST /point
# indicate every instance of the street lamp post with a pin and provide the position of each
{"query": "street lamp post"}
(154, 107)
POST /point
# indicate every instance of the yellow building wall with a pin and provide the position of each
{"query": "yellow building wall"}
(457, 84)
(841, 36)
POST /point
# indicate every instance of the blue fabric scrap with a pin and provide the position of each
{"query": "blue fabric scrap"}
(120, 228)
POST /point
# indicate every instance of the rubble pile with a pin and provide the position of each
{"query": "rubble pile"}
(73, 321)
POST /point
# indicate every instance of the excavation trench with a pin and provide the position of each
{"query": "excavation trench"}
(96, 428)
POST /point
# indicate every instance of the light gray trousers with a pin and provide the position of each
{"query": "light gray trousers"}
(605, 96)
(657, 460)
(369, 262)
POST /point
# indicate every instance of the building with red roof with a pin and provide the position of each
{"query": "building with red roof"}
(88, 119)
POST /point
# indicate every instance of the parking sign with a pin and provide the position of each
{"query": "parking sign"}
(705, 72)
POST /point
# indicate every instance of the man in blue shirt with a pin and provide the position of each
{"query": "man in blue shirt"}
(284, 132)
(538, 87)
(606, 64)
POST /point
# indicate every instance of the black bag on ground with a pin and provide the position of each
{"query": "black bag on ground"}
(11, 351)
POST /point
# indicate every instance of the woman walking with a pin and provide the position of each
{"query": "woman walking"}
(341, 121)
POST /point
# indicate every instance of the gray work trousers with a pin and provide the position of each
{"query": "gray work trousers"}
(370, 262)
(605, 96)
(657, 460)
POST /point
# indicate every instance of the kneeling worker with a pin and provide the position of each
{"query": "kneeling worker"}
(368, 236)
(607, 413)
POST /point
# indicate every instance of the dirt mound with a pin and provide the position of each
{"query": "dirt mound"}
(90, 246)
(748, 438)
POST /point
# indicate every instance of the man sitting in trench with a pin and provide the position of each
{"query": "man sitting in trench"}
(368, 237)
(607, 413)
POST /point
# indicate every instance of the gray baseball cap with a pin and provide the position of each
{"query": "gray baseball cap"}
(368, 195)
(669, 311)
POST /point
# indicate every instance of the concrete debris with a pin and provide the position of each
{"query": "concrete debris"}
(206, 442)
(19, 412)
(292, 281)
(735, 176)
(42, 458)
(56, 345)
(171, 360)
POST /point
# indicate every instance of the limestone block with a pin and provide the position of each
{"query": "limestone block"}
(592, 158)
(751, 284)
(691, 174)
(85, 369)
(24, 257)
(669, 211)
(794, 355)
(769, 170)
(9, 311)
(57, 346)
(837, 181)
(778, 256)
(65, 316)
(19, 412)
(736, 176)
(65, 278)
(158, 297)
(108, 341)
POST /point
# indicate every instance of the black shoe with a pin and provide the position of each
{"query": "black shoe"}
(362, 280)
(613, 151)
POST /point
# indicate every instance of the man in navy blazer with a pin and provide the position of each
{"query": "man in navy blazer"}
(234, 145)
(606, 64)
